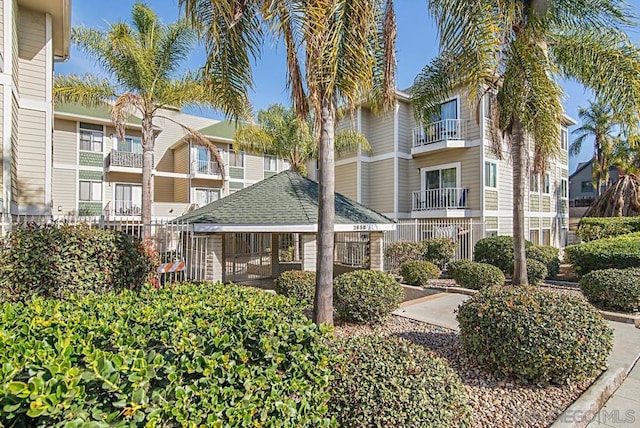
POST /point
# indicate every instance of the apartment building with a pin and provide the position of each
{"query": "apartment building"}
(95, 173)
(34, 35)
(447, 169)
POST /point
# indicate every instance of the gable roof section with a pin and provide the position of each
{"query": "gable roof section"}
(580, 167)
(100, 113)
(223, 130)
(286, 202)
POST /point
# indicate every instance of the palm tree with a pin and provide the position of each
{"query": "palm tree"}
(513, 52)
(598, 121)
(279, 132)
(338, 51)
(142, 63)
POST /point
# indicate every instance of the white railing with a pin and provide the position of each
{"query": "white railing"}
(127, 207)
(205, 167)
(437, 199)
(442, 130)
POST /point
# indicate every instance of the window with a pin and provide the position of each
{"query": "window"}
(441, 189)
(206, 196)
(546, 237)
(91, 137)
(564, 188)
(547, 183)
(448, 110)
(128, 200)
(236, 159)
(564, 138)
(534, 236)
(491, 174)
(130, 145)
(90, 191)
(586, 187)
(285, 164)
(488, 110)
(534, 183)
(489, 233)
(270, 163)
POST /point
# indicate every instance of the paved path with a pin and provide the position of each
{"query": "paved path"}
(437, 309)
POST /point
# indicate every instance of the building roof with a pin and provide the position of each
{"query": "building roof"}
(223, 130)
(580, 167)
(286, 202)
(102, 113)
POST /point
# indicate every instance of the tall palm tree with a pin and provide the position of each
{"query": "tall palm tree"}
(338, 51)
(142, 64)
(279, 132)
(598, 121)
(513, 52)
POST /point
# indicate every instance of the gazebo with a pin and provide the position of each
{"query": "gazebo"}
(242, 232)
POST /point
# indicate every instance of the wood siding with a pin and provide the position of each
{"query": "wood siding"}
(381, 186)
(346, 180)
(30, 158)
(378, 130)
(65, 192)
(32, 55)
(65, 142)
(253, 168)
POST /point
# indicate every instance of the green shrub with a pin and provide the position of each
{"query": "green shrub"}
(366, 296)
(184, 355)
(56, 261)
(536, 271)
(547, 255)
(592, 228)
(439, 251)
(419, 272)
(534, 335)
(619, 252)
(298, 284)
(475, 275)
(497, 251)
(613, 289)
(385, 381)
(400, 252)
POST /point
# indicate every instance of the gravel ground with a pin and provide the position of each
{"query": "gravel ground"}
(495, 403)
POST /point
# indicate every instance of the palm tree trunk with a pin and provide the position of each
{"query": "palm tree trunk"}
(323, 305)
(598, 162)
(148, 143)
(519, 149)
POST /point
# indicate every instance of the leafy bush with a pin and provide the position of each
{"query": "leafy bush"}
(547, 255)
(439, 251)
(185, 355)
(619, 252)
(536, 271)
(366, 296)
(419, 272)
(400, 252)
(298, 284)
(614, 289)
(497, 251)
(392, 382)
(592, 228)
(534, 335)
(475, 275)
(60, 260)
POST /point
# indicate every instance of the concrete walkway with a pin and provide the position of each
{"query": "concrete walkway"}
(437, 309)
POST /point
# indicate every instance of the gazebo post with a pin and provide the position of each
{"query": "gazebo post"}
(309, 251)
(275, 254)
(376, 250)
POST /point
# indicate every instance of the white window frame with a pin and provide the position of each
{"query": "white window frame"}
(564, 188)
(115, 201)
(129, 137)
(206, 189)
(490, 163)
(543, 187)
(93, 185)
(272, 160)
(236, 156)
(82, 130)
(541, 236)
(537, 176)
(564, 138)
(286, 165)
(456, 165)
(536, 241)
(457, 98)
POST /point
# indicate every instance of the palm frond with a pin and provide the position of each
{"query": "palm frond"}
(87, 90)
(124, 106)
(349, 141)
(434, 83)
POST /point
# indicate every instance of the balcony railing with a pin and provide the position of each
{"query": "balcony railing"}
(124, 159)
(127, 207)
(438, 199)
(205, 167)
(442, 130)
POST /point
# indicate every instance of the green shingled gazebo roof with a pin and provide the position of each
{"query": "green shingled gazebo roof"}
(286, 202)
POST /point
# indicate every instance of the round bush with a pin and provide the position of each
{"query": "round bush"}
(298, 284)
(613, 289)
(366, 296)
(400, 252)
(547, 255)
(183, 355)
(611, 253)
(496, 251)
(419, 272)
(439, 251)
(385, 381)
(475, 275)
(536, 271)
(534, 335)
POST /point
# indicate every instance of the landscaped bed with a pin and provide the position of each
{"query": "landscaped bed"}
(494, 402)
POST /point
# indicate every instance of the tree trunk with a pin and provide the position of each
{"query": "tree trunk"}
(148, 146)
(323, 305)
(519, 154)
(598, 170)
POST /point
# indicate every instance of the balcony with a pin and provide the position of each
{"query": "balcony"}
(206, 169)
(118, 161)
(440, 135)
(440, 199)
(127, 208)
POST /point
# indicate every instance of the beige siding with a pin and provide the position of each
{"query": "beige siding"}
(491, 200)
(2, 27)
(65, 142)
(253, 168)
(505, 226)
(381, 186)
(64, 191)
(491, 223)
(1, 115)
(405, 191)
(406, 124)
(468, 110)
(505, 186)
(180, 165)
(364, 183)
(346, 180)
(169, 209)
(378, 130)
(15, 131)
(163, 189)
(32, 42)
(14, 46)
(31, 157)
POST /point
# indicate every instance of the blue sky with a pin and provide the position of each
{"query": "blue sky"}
(416, 46)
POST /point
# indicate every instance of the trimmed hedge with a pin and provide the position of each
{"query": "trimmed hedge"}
(298, 284)
(419, 272)
(592, 228)
(547, 255)
(185, 355)
(475, 275)
(534, 335)
(496, 251)
(58, 260)
(400, 252)
(385, 381)
(610, 253)
(439, 251)
(613, 289)
(536, 271)
(366, 296)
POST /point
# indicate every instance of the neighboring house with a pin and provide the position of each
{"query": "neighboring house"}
(97, 174)
(33, 36)
(446, 170)
(582, 191)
